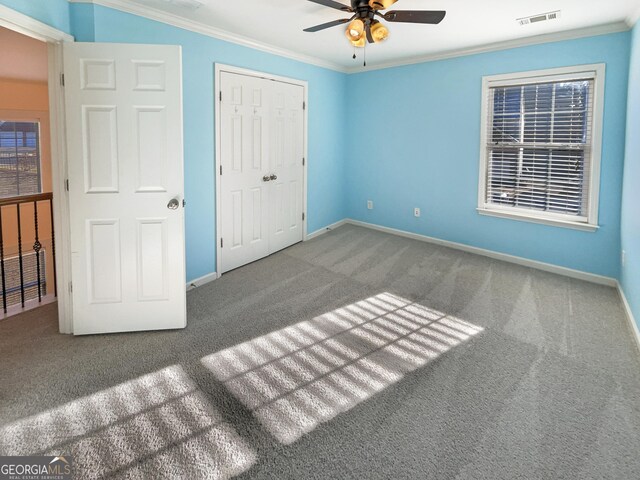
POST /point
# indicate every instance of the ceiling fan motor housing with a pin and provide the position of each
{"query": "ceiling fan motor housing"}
(362, 9)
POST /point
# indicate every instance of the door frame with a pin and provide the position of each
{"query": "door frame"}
(18, 22)
(219, 69)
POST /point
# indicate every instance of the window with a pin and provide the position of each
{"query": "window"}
(19, 158)
(540, 151)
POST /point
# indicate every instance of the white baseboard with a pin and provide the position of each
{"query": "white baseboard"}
(28, 305)
(326, 229)
(198, 282)
(547, 267)
(632, 321)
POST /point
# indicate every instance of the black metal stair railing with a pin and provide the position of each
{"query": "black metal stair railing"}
(20, 203)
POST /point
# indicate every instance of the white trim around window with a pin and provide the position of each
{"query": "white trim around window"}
(588, 219)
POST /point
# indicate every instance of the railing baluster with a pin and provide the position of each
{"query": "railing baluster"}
(4, 283)
(53, 249)
(20, 256)
(40, 267)
(37, 246)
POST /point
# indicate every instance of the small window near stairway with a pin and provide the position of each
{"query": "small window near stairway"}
(20, 170)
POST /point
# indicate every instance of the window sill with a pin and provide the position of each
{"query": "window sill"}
(542, 220)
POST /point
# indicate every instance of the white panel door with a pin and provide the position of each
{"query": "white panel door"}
(244, 133)
(285, 159)
(261, 181)
(125, 163)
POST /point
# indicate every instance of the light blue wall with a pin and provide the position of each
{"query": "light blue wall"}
(327, 132)
(419, 146)
(52, 12)
(423, 151)
(82, 21)
(631, 191)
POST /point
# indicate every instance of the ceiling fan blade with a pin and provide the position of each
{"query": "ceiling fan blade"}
(332, 4)
(381, 4)
(415, 16)
(368, 30)
(322, 26)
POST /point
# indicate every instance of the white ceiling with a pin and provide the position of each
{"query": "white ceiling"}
(22, 57)
(469, 24)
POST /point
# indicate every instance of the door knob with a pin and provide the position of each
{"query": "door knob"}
(273, 177)
(173, 204)
(266, 178)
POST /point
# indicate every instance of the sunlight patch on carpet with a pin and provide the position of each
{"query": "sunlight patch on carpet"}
(148, 424)
(300, 376)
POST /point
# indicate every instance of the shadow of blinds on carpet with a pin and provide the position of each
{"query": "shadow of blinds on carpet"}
(300, 376)
(138, 426)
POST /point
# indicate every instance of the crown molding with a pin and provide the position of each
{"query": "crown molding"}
(203, 29)
(21, 23)
(633, 18)
(616, 27)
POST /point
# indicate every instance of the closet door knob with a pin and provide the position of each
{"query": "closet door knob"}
(273, 177)
(266, 178)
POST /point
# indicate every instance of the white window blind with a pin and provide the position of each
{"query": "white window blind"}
(19, 158)
(538, 146)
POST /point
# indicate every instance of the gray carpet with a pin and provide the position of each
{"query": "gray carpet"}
(355, 355)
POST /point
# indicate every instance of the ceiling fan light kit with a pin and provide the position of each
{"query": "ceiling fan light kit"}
(364, 24)
(379, 32)
(358, 43)
(355, 31)
(381, 4)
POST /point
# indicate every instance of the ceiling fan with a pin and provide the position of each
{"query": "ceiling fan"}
(364, 24)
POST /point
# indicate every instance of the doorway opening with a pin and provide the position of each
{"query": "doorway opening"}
(27, 232)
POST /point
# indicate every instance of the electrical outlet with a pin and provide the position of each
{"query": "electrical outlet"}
(416, 212)
(369, 205)
(623, 258)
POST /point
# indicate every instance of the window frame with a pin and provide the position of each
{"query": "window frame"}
(28, 119)
(594, 71)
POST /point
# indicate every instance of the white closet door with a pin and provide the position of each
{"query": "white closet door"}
(261, 146)
(285, 159)
(244, 132)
